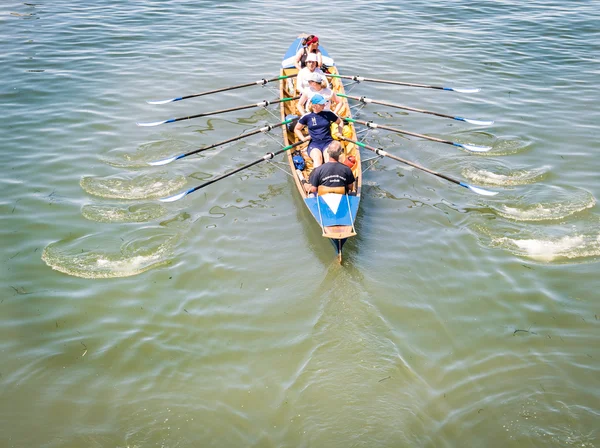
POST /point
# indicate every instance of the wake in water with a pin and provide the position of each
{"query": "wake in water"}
(149, 152)
(144, 186)
(132, 258)
(578, 242)
(128, 213)
(543, 203)
(499, 175)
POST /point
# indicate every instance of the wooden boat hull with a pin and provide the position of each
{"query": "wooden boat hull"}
(334, 213)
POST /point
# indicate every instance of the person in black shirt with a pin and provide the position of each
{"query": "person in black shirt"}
(333, 173)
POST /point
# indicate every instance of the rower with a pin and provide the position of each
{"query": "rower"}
(310, 69)
(333, 176)
(319, 129)
(310, 45)
(315, 82)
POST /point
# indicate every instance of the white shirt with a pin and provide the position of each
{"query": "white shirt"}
(325, 93)
(302, 78)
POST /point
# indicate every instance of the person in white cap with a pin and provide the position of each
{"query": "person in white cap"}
(306, 72)
(315, 86)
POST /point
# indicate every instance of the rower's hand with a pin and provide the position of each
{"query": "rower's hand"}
(305, 139)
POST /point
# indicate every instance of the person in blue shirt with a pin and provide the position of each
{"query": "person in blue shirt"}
(319, 129)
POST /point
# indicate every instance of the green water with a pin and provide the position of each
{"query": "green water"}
(223, 319)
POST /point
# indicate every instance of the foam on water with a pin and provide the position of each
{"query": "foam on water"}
(547, 249)
(115, 213)
(144, 186)
(133, 258)
(539, 204)
(505, 176)
(148, 152)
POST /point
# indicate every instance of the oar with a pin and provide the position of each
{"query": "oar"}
(266, 128)
(216, 112)
(358, 78)
(260, 82)
(364, 99)
(370, 124)
(383, 153)
(267, 156)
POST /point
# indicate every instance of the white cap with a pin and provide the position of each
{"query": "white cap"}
(315, 77)
(312, 57)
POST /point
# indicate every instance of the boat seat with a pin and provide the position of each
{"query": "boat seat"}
(324, 190)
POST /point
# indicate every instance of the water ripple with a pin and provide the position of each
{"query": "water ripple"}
(135, 256)
(143, 186)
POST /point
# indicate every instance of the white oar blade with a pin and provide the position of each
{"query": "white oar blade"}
(163, 161)
(479, 190)
(163, 101)
(479, 122)
(459, 90)
(475, 148)
(174, 198)
(152, 123)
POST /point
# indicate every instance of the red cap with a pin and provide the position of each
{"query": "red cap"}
(312, 41)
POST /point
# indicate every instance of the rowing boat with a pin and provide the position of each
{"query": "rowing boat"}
(334, 213)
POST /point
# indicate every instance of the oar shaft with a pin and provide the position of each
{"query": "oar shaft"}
(267, 156)
(264, 103)
(383, 81)
(266, 128)
(468, 147)
(372, 125)
(364, 99)
(260, 82)
(358, 78)
(383, 153)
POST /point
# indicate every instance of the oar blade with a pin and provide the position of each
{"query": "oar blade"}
(473, 148)
(463, 90)
(479, 190)
(476, 122)
(176, 197)
(154, 123)
(171, 100)
(163, 161)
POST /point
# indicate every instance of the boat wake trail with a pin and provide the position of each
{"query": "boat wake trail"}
(127, 213)
(145, 186)
(76, 258)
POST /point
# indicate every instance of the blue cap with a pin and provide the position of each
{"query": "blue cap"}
(318, 99)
